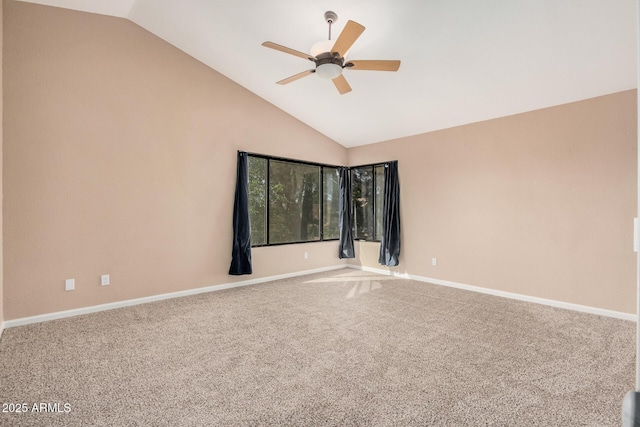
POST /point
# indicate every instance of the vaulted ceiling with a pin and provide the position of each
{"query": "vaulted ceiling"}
(463, 61)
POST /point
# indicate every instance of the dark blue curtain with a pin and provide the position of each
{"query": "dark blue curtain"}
(345, 215)
(390, 239)
(241, 254)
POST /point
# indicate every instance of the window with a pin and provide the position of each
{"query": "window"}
(292, 201)
(367, 189)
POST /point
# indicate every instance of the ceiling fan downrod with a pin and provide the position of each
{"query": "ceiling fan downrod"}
(330, 17)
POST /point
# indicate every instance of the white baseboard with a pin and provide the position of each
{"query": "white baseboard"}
(2, 326)
(519, 297)
(110, 306)
(127, 303)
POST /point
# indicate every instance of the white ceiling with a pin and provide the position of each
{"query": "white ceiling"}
(463, 61)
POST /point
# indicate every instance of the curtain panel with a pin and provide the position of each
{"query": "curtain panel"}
(345, 249)
(390, 239)
(241, 252)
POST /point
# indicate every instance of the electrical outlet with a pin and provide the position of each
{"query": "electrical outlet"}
(69, 284)
(306, 255)
(104, 279)
(434, 261)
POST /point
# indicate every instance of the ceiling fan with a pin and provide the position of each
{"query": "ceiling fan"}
(329, 57)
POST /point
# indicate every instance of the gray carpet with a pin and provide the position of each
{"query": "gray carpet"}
(337, 348)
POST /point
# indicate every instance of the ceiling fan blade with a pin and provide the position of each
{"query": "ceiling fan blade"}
(341, 84)
(347, 37)
(288, 50)
(295, 77)
(375, 65)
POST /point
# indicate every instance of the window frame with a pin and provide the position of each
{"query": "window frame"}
(321, 166)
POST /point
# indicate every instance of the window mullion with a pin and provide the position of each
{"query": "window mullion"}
(321, 196)
(373, 197)
(268, 202)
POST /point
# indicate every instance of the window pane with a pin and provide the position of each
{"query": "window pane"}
(258, 199)
(294, 202)
(331, 200)
(362, 194)
(379, 171)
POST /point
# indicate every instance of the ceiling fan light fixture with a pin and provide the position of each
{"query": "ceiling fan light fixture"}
(329, 70)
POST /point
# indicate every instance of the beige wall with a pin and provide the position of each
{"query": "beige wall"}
(120, 159)
(540, 204)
